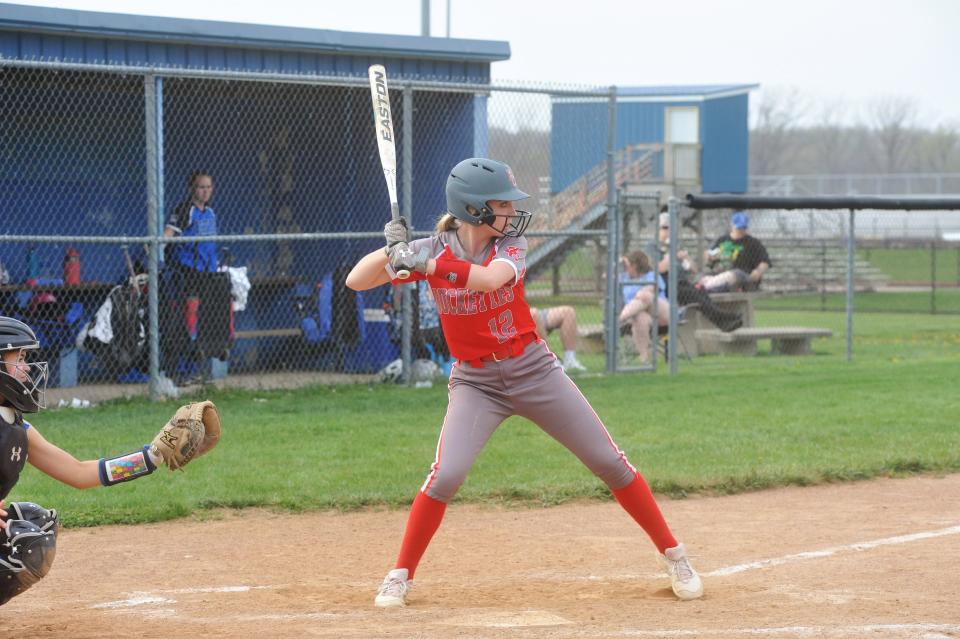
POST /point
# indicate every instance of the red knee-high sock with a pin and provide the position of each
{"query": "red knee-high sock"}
(425, 517)
(636, 499)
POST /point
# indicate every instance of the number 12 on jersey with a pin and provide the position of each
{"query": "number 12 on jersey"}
(502, 326)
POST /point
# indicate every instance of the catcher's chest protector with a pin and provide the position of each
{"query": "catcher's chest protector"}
(13, 452)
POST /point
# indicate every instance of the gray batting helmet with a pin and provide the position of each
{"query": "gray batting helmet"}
(25, 395)
(476, 181)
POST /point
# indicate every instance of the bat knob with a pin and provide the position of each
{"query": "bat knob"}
(403, 274)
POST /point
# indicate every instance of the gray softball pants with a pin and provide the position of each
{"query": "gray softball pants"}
(532, 386)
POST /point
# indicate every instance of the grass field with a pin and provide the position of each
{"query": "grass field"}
(941, 300)
(723, 425)
(915, 265)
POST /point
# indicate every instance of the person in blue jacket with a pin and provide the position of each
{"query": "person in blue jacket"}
(194, 217)
(640, 287)
(192, 265)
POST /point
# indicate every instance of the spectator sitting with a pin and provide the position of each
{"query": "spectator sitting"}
(738, 260)
(687, 293)
(564, 318)
(638, 298)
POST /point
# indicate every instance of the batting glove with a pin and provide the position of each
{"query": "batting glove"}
(402, 258)
(396, 231)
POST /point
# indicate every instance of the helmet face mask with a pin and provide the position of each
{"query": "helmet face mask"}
(474, 183)
(23, 383)
(514, 226)
(25, 390)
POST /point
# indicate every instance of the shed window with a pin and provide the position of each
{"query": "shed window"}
(683, 125)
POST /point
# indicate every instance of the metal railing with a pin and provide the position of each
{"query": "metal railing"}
(856, 184)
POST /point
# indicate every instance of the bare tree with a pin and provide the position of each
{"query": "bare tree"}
(889, 138)
(939, 146)
(527, 151)
(829, 138)
(892, 120)
(777, 113)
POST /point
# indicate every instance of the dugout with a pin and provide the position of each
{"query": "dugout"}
(288, 153)
(106, 115)
(698, 134)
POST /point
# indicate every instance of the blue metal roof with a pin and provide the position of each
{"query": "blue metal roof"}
(693, 92)
(68, 22)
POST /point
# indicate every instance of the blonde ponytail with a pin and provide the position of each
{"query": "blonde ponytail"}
(446, 222)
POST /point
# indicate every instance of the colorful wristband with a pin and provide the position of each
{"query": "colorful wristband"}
(126, 467)
(454, 271)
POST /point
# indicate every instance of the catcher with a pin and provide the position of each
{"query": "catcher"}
(28, 532)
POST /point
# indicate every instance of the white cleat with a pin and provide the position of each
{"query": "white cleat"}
(684, 579)
(393, 591)
(573, 366)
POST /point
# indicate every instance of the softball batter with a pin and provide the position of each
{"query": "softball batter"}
(475, 267)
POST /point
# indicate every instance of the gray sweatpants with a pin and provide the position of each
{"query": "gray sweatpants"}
(532, 386)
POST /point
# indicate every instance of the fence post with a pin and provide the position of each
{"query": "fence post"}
(610, 311)
(933, 276)
(674, 333)
(823, 275)
(851, 246)
(406, 335)
(153, 124)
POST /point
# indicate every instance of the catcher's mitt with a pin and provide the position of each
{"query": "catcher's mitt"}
(192, 431)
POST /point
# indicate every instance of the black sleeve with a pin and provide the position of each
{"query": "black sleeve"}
(760, 252)
(180, 217)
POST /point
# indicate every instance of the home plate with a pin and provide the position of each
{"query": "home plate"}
(507, 619)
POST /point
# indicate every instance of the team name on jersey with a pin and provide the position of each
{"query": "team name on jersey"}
(462, 301)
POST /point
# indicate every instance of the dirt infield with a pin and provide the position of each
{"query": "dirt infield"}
(871, 559)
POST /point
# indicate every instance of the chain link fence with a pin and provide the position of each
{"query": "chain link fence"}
(100, 167)
(768, 281)
(829, 260)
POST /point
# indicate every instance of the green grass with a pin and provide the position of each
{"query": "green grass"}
(725, 424)
(943, 300)
(915, 265)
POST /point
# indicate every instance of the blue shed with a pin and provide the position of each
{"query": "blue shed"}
(697, 136)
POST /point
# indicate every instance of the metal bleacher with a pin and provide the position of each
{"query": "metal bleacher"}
(583, 205)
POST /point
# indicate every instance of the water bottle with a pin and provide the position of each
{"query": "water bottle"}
(33, 264)
(71, 266)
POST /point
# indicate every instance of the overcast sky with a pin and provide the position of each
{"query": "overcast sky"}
(836, 52)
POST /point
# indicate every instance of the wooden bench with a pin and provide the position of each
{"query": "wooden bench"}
(590, 337)
(784, 340)
(738, 302)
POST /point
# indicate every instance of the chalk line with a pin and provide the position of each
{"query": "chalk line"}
(827, 552)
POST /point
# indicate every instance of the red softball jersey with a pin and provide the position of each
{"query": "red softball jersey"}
(474, 323)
